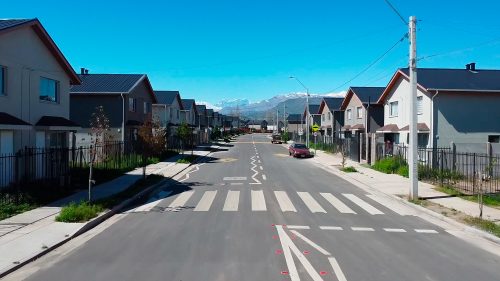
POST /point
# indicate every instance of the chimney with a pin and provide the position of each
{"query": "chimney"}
(473, 66)
(82, 71)
(467, 67)
(86, 71)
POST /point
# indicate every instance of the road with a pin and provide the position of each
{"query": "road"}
(251, 212)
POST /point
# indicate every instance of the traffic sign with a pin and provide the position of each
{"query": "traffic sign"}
(315, 134)
(301, 132)
(315, 128)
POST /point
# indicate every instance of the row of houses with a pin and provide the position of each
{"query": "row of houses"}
(459, 107)
(45, 103)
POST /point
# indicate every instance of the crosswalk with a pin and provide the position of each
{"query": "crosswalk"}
(260, 201)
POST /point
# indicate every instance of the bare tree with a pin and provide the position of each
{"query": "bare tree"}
(99, 124)
(153, 139)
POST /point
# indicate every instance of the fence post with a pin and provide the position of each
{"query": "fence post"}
(454, 156)
(441, 167)
(473, 172)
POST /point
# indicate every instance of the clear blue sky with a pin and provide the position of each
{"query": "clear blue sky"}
(223, 49)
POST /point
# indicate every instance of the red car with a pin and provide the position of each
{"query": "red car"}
(299, 150)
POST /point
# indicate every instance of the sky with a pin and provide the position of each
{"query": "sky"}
(247, 49)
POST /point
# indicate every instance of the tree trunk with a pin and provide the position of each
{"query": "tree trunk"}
(91, 166)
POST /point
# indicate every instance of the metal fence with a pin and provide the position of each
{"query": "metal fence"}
(44, 170)
(469, 173)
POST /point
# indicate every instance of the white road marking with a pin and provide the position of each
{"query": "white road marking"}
(312, 204)
(259, 161)
(258, 201)
(284, 201)
(426, 231)
(339, 205)
(311, 243)
(288, 249)
(393, 205)
(362, 229)
(298, 227)
(206, 201)
(336, 269)
(152, 202)
(232, 201)
(261, 168)
(235, 178)
(325, 227)
(399, 230)
(264, 177)
(367, 207)
(181, 200)
(236, 183)
(255, 183)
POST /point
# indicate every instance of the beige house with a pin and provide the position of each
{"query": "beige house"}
(35, 79)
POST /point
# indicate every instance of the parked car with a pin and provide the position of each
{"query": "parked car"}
(299, 150)
(277, 139)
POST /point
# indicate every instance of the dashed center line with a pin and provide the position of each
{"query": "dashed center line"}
(362, 229)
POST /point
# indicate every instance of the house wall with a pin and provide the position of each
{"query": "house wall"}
(376, 117)
(325, 121)
(354, 103)
(466, 118)
(142, 94)
(400, 92)
(26, 60)
(338, 122)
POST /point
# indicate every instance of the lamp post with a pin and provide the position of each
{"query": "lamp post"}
(307, 108)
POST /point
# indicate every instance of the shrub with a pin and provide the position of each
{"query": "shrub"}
(187, 160)
(349, 169)
(403, 171)
(10, 209)
(81, 212)
(389, 165)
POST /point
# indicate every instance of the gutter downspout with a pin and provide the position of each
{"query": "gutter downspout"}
(432, 119)
(123, 117)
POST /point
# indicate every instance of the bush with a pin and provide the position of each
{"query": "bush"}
(403, 171)
(187, 160)
(349, 169)
(10, 209)
(389, 165)
(81, 212)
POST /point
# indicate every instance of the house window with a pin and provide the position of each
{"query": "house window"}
(329, 116)
(3, 90)
(420, 100)
(322, 117)
(393, 109)
(349, 114)
(49, 89)
(57, 139)
(132, 105)
(494, 138)
(359, 112)
(147, 107)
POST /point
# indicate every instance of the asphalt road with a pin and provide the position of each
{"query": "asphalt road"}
(250, 213)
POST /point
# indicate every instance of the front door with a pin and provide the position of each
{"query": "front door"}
(6, 157)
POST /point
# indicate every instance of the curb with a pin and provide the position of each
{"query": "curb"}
(98, 220)
(483, 234)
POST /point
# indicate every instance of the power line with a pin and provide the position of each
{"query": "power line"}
(371, 64)
(397, 12)
(461, 50)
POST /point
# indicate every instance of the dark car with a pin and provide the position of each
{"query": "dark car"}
(277, 139)
(299, 150)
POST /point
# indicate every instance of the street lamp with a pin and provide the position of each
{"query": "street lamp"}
(307, 108)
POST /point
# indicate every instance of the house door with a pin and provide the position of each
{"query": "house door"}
(6, 158)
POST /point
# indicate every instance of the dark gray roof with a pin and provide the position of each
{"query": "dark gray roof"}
(201, 109)
(457, 79)
(292, 118)
(166, 97)
(8, 23)
(210, 112)
(368, 94)
(187, 103)
(313, 108)
(106, 83)
(333, 103)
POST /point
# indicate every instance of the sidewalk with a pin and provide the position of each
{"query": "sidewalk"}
(30, 234)
(399, 186)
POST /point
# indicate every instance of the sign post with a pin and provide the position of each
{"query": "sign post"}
(315, 129)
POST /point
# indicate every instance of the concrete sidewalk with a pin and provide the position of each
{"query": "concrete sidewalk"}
(29, 234)
(399, 186)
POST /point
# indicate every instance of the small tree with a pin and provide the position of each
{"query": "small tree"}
(343, 152)
(99, 124)
(184, 134)
(153, 138)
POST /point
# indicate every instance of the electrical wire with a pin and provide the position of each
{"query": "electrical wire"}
(371, 64)
(397, 12)
(490, 42)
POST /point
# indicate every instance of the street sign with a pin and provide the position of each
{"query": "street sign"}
(315, 134)
(315, 128)
(301, 132)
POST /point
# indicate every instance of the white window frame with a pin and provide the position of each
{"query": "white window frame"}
(132, 105)
(56, 90)
(329, 116)
(359, 112)
(391, 113)
(349, 114)
(420, 105)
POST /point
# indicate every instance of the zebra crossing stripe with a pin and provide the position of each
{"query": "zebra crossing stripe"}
(312, 204)
(284, 201)
(365, 206)
(258, 201)
(339, 205)
(232, 201)
(206, 201)
(181, 200)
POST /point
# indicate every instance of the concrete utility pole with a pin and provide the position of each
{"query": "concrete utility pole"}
(277, 120)
(413, 145)
(307, 108)
(284, 117)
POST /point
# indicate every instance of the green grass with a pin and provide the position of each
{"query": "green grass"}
(492, 200)
(349, 169)
(187, 159)
(485, 225)
(80, 212)
(419, 202)
(8, 210)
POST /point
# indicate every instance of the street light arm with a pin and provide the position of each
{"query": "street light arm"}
(300, 82)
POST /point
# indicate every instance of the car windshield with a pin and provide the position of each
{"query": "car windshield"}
(301, 146)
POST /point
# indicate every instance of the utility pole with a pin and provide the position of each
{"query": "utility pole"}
(284, 117)
(412, 157)
(277, 119)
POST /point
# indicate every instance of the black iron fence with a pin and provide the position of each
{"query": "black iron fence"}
(44, 173)
(469, 173)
